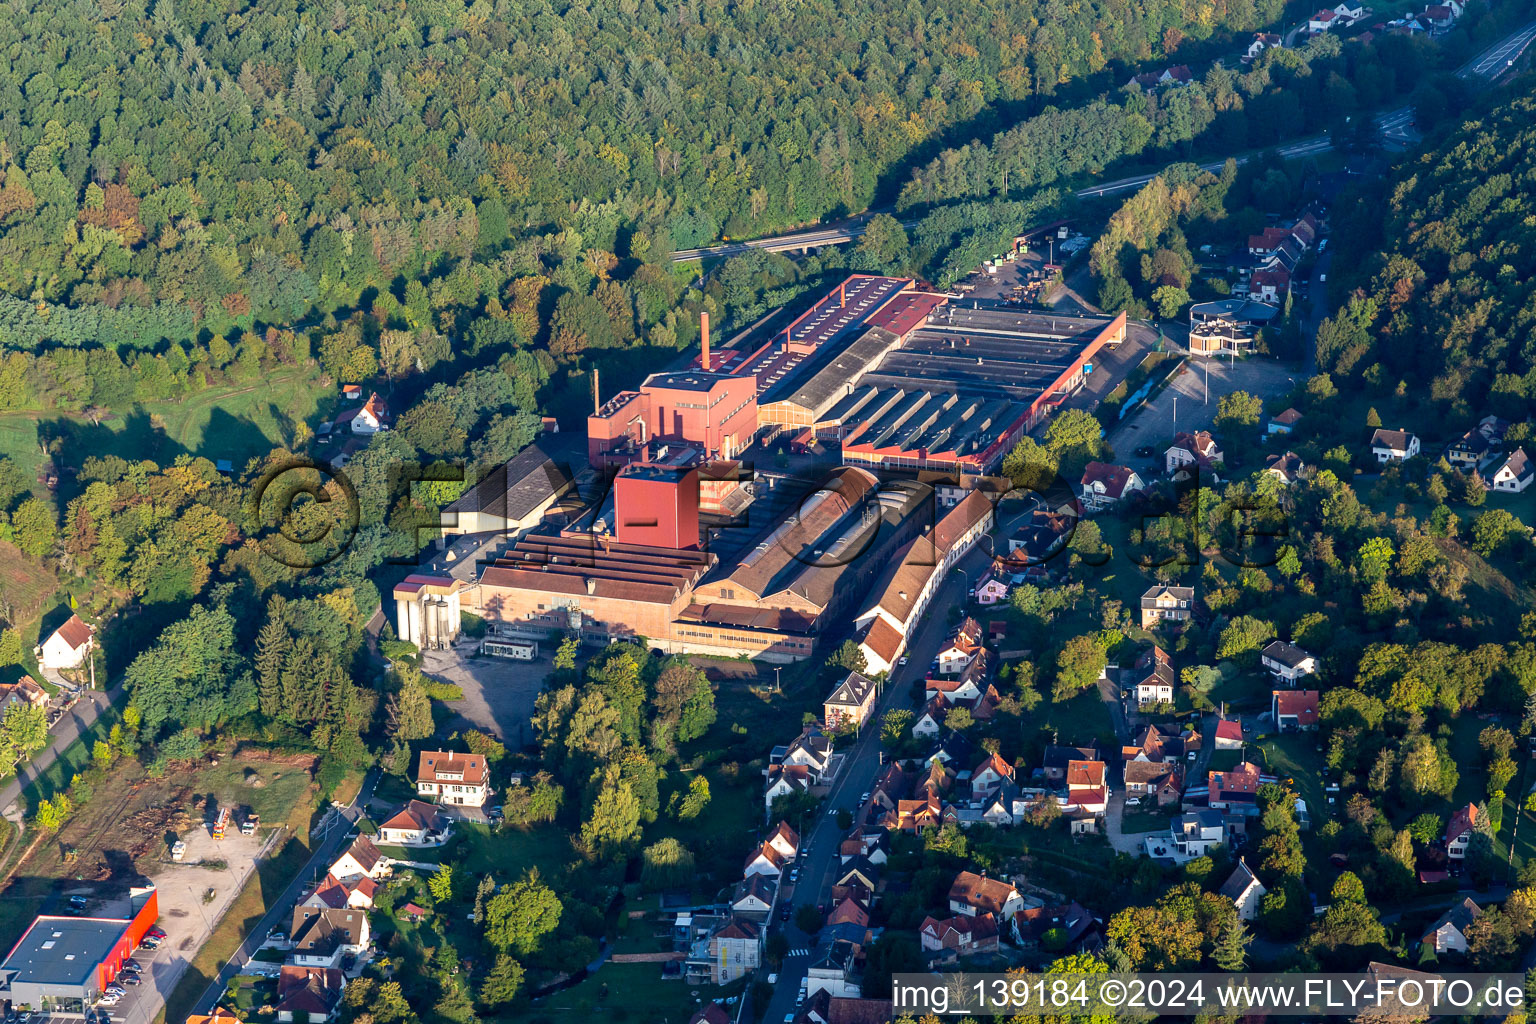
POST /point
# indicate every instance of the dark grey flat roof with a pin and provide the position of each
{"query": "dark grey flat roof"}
(63, 950)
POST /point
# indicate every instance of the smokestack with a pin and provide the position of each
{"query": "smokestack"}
(597, 405)
(704, 338)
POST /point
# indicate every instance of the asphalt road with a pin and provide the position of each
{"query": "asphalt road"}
(1395, 126)
(64, 732)
(280, 910)
(819, 850)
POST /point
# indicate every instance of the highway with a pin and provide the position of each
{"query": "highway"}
(1395, 127)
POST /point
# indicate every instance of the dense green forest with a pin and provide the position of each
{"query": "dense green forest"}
(1438, 270)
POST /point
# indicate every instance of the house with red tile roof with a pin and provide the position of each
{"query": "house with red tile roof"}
(453, 778)
(67, 646)
(1294, 710)
(959, 935)
(1458, 831)
(1236, 789)
(1104, 485)
(308, 993)
(1229, 735)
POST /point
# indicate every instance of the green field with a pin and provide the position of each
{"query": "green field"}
(219, 423)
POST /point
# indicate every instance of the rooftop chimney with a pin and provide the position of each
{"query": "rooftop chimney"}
(704, 338)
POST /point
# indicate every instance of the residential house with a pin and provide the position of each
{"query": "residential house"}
(1229, 735)
(869, 841)
(1393, 445)
(1271, 285)
(972, 895)
(322, 937)
(1198, 449)
(1190, 835)
(892, 784)
(785, 840)
(1449, 933)
(220, 1015)
(1153, 779)
(1261, 41)
(1439, 17)
(1284, 423)
(754, 896)
(764, 860)
(1075, 928)
(834, 970)
(453, 778)
(1104, 485)
(811, 748)
(352, 392)
(356, 894)
(930, 721)
(991, 590)
(1468, 451)
(784, 780)
(1166, 604)
(1286, 468)
(915, 815)
(1244, 889)
(369, 418)
(1153, 745)
(990, 776)
(962, 649)
(1293, 710)
(881, 644)
(735, 949)
(850, 910)
(1287, 662)
(67, 646)
(959, 935)
(712, 1013)
(1179, 74)
(825, 1008)
(416, 824)
(1237, 789)
(1087, 788)
(1513, 475)
(309, 994)
(361, 860)
(856, 877)
(938, 776)
(1458, 831)
(1057, 760)
(1041, 538)
(957, 689)
(1154, 677)
(851, 703)
(24, 692)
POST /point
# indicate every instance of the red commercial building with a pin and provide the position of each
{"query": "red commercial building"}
(712, 412)
(657, 506)
(62, 961)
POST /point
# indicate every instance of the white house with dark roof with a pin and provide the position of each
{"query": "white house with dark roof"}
(68, 645)
(1449, 933)
(1104, 485)
(1393, 445)
(1513, 475)
(851, 703)
(1244, 889)
(1287, 662)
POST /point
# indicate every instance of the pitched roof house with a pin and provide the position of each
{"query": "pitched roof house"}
(453, 778)
(308, 993)
(1284, 423)
(1166, 604)
(1197, 449)
(1244, 889)
(415, 824)
(1513, 475)
(1449, 933)
(67, 646)
(1154, 677)
(1393, 445)
(1293, 710)
(361, 860)
(1237, 789)
(320, 937)
(1104, 485)
(24, 692)
(959, 935)
(369, 418)
(1286, 468)
(1287, 662)
(1229, 734)
(972, 894)
(786, 840)
(850, 703)
(1458, 831)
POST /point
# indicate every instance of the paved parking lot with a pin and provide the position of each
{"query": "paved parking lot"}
(498, 692)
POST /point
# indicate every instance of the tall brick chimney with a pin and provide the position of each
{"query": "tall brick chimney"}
(704, 339)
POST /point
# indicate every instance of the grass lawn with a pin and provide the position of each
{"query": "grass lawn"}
(1295, 756)
(1145, 819)
(236, 423)
(1472, 781)
(283, 797)
(508, 853)
(247, 995)
(620, 992)
(1078, 720)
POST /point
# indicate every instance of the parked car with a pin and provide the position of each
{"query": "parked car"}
(784, 912)
(865, 798)
(156, 932)
(132, 979)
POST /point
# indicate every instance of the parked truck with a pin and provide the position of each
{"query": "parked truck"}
(221, 824)
(250, 824)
